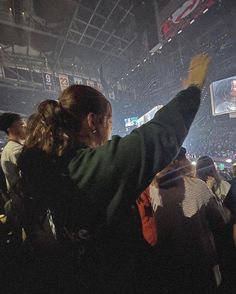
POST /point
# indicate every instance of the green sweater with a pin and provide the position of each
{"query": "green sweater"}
(121, 169)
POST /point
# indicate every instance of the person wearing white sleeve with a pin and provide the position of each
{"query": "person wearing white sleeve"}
(14, 126)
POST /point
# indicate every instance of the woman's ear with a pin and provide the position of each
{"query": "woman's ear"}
(92, 121)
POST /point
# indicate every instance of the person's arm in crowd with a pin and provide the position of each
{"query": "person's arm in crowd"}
(11, 166)
(124, 167)
(15, 153)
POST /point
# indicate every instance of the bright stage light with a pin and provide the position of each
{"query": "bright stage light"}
(228, 160)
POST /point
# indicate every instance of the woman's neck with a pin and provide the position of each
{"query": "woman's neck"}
(86, 140)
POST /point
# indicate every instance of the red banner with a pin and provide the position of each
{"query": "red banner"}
(191, 9)
(64, 81)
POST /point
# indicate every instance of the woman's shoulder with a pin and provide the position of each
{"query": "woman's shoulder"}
(195, 181)
(197, 187)
(32, 157)
(32, 153)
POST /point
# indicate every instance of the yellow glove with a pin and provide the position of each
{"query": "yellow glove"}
(197, 70)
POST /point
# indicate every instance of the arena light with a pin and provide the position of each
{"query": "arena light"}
(204, 11)
(194, 163)
(192, 21)
(138, 65)
(10, 9)
(145, 59)
(160, 47)
(179, 32)
(152, 53)
(127, 74)
(228, 160)
(169, 40)
(132, 69)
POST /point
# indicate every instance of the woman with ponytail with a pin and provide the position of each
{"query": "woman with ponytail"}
(89, 183)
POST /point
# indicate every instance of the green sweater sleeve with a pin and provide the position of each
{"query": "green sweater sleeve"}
(124, 167)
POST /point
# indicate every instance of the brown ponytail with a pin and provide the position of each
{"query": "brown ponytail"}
(53, 128)
(45, 128)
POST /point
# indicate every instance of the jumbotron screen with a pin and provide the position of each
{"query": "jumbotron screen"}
(131, 121)
(223, 96)
(148, 116)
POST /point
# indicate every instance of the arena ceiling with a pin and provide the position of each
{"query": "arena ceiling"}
(85, 32)
(94, 31)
